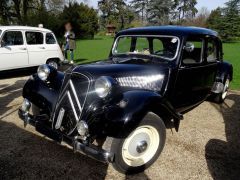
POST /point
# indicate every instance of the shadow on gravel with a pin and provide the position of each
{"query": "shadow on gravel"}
(8, 94)
(223, 158)
(24, 155)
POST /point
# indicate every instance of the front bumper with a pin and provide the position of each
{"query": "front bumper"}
(39, 122)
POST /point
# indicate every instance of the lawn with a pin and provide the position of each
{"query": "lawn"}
(99, 48)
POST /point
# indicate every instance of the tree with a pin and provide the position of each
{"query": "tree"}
(186, 9)
(159, 11)
(115, 12)
(83, 19)
(141, 7)
(226, 20)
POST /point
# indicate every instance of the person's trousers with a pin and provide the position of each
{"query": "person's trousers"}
(66, 48)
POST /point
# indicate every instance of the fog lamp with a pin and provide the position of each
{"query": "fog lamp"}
(26, 105)
(82, 128)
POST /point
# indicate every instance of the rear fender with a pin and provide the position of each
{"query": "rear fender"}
(224, 70)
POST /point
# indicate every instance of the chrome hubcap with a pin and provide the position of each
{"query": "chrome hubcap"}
(140, 146)
(225, 90)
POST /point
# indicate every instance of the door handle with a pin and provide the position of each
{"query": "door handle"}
(42, 47)
(23, 48)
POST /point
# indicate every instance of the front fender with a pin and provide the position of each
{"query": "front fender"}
(43, 94)
(122, 121)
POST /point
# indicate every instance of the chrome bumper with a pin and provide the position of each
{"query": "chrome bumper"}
(39, 122)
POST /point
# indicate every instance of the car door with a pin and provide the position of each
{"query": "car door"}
(36, 47)
(13, 51)
(196, 74)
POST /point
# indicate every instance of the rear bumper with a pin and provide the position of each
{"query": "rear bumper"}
(39, 122)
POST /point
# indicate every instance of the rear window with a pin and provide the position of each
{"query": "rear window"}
(34, 38)
(50, 39)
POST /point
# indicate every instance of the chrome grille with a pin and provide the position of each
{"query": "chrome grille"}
(71, 101)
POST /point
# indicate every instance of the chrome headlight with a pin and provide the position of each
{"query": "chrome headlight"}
(43, 72)
(82, 128)
(103, 86)
(149, 82)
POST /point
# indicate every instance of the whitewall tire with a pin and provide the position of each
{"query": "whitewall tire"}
(142, 147)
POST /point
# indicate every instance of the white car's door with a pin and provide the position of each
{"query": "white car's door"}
(13, 51)
(53, 49)
(36, 48)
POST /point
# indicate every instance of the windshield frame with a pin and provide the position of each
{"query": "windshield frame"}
(151, 55)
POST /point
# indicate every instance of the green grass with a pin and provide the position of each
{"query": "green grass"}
(93, 50)
(232, 55)
(99, 48)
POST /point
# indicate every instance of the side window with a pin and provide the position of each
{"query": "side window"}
(142, 46)
(193, 51)
(212, 50)
(157, 46)
(124, 45)
(12, 38)
(50, 39)
(34, 38)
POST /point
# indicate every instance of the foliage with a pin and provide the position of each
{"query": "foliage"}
(83, 19)
(226, 20)
(115, 12)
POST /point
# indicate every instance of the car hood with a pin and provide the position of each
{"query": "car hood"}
(121, 70)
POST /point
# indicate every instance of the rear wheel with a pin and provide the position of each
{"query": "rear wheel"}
(142, 147)
(219, 98)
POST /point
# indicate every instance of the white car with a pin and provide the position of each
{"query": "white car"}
(22, 46)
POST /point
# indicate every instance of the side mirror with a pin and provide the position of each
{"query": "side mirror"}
(189, 47)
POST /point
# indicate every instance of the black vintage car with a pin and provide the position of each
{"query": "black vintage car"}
(118, 110)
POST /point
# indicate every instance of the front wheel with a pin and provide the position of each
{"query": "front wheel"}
(142, 147)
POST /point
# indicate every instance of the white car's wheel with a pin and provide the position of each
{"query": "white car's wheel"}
(142, 147)
(53, 63)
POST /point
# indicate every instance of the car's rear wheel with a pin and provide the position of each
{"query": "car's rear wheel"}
(142, 147)
(53, 63)
(219, 98)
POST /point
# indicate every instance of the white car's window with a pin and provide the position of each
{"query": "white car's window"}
(34, 38)
(12, 38)
(50, 39)
(0, 31)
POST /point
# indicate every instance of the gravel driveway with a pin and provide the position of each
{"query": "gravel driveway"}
(207, 146)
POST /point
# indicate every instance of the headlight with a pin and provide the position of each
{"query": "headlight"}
(26, 105)
(82, 128)
(43, 72)
(103, 86)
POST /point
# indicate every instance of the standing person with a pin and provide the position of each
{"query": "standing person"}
(70, 42)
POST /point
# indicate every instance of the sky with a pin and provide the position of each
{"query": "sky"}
(210, 4)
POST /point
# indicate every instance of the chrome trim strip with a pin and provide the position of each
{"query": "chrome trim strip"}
(75, 95)
(71, 102)
(60, 118)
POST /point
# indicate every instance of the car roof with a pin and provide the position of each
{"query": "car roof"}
(168, 30)
(3, 28)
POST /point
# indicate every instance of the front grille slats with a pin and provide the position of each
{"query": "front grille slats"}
(72, 100)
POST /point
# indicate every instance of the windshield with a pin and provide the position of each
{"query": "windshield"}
(165, 47)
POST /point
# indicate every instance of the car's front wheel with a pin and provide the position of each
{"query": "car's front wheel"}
(142, 147)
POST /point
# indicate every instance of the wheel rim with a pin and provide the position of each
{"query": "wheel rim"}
(53, 64)
(225, 90)
(140, 146)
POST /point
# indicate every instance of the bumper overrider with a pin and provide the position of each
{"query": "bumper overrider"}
(39, 122)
